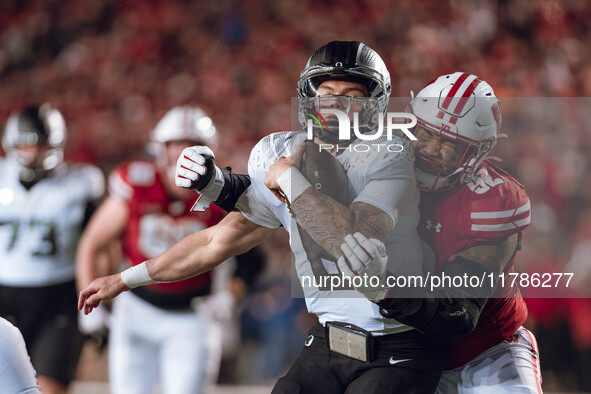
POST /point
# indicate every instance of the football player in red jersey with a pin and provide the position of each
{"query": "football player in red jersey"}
(155, 333)
(472, 215)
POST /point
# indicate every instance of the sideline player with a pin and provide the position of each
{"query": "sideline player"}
(351, 77)
(156, 335)
(44, 203)
(17, 375)
(472, 214)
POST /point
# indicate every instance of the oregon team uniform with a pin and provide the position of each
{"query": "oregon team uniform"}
(39, 232)
(386, 181)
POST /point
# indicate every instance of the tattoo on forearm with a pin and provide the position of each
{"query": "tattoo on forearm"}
(324, 219)
(327, 221)
(371, 221)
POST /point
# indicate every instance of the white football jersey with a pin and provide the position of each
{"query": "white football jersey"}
(40, 228)
(378, 177)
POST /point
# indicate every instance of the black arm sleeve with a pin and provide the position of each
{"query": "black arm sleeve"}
(234, 186)
(446, 313)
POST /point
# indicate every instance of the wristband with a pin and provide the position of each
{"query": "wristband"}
(210, 193)
(137, 276)
(292, 183)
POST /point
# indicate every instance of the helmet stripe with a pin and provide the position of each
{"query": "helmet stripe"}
(454, 89)
(467, 93)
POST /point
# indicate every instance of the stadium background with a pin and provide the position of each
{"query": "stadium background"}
(115, 67)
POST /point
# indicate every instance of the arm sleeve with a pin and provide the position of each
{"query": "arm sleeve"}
(234, 186)
(446, 313)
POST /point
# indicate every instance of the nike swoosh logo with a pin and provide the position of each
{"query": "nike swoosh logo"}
(392, 361)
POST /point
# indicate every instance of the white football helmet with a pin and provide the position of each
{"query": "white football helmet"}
(182, 124)
(35, 125)
(459, 107)
(185, 123)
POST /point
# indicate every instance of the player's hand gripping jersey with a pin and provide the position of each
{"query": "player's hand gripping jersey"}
(490, 208)
(156, 222)
(380, 178)
(40, 227)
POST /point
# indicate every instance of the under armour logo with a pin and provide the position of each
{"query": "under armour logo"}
(431, 226)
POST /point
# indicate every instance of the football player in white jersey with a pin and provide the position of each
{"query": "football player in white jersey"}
(368, 353)
(44, 204)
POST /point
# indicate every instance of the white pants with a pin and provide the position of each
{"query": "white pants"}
(149, 345)
(505, 368)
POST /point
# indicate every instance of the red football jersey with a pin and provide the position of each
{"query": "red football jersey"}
(157, 221)
(492, 207)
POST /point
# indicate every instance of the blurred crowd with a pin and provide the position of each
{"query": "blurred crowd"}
(113, 68)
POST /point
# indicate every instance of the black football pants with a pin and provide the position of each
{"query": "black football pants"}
(405, 363)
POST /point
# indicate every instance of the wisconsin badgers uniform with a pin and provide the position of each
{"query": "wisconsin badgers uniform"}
(156, 222)
(39, 232)
(155, 329)
(490, 208)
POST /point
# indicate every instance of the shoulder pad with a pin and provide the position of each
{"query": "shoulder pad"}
(272, 147)
(130, 175)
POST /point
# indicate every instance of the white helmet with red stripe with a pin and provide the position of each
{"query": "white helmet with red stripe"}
(181, 124)
(459, 107)
(185, 123)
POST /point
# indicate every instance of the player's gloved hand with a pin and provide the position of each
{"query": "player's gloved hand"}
(196, 169)
(95, 326)
(220, 306)
(368, 259)
(95, 323)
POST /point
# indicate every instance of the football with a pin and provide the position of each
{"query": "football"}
(324, 172)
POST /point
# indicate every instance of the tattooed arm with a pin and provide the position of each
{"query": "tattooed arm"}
(328, 221)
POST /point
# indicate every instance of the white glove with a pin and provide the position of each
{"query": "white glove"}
(368, 260)
(96, 322)
(220, 306)
(194, 171)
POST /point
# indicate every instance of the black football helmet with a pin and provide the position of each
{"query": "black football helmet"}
(35, 125)
(344, 60)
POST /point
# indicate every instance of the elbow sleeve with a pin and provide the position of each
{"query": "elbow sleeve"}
(444, 313)
(234, 186)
